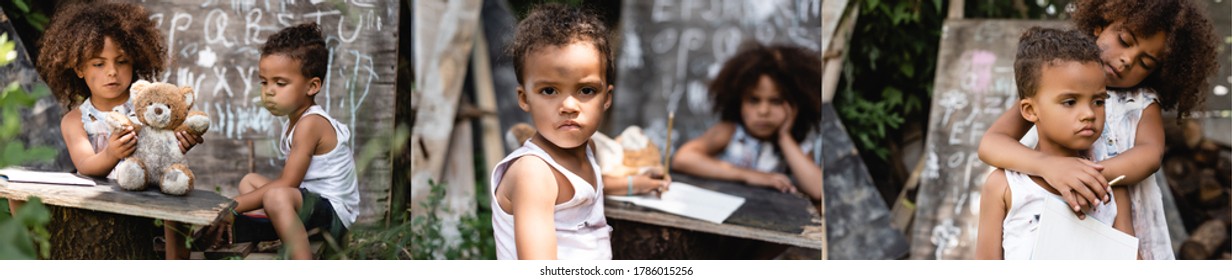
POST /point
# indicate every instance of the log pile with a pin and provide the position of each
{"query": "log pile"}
(1199, 172)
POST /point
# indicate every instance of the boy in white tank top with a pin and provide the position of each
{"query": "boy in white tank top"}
(1060, 83)
(548, 195)
(318, 180)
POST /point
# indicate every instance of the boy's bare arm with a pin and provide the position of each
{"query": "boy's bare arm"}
(308, 134)
(1144, 158)
(993, 208)
(534, 189)
(1000, 148)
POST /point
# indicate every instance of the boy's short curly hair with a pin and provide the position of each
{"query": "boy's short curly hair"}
(1039, 47)
(556, 24)
(77, 32)
(1182, 75)
(303, 43)
(795, 71)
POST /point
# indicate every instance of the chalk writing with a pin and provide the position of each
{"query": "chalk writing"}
(214, 46)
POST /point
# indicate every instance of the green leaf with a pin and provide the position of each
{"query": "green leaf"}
(38, 20)
(21, 5)
(7, 54)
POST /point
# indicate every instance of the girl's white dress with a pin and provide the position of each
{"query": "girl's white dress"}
(1123, 110)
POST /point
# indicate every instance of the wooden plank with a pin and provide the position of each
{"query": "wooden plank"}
(214, 46)
(670, 50)
(485, 97)
(441, 55)
(974, 85)
(766, 215)
(857, 219)
(835, 53)
(199, 207)
(614, 210)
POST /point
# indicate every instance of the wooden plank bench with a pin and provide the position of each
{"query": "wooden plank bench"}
(767, 216)
(105, 222)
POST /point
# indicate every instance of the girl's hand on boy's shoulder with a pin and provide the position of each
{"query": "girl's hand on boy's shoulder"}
(1079, 181)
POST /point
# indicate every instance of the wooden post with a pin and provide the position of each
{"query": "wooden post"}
(831, 64)
(956, 9)
(441, 53)
(485, 97)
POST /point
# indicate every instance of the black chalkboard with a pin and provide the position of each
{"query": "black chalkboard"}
(857, 219)
(671, 49)
(974, 85)
(214, 47)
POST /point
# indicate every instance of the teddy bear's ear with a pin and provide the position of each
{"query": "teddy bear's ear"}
(137, 88)
(189, 95)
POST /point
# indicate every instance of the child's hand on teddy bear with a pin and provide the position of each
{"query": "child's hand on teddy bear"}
(122, 143)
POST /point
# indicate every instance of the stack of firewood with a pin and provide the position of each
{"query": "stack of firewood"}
(1199, 172)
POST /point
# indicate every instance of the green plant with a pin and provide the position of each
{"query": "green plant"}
(12, 99)
(34, 18)
(428, 240)
(888, 74)
(19, 233)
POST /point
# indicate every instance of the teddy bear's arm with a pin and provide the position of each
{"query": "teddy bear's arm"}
(196, 123)
(117, 121)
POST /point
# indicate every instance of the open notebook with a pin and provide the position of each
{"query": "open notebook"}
(689, 201)
(59, 178)
(1062, 236)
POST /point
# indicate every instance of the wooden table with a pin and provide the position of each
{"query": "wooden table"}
(766, 215)
(105, 222)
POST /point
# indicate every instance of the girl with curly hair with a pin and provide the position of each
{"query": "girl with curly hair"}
(91, 54)
(1157, 55)
(768, 99)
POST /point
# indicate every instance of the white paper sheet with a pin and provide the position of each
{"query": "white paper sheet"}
(689, 201)
(1062, 236)
(61, 178)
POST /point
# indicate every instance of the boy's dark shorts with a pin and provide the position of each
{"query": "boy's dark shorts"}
(316, 212)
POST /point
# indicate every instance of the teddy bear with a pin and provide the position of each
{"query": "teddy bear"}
(160, 110)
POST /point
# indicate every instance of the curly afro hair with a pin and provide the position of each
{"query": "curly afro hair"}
(303, 43)
(77, 32)
(1039, 47)
(796, 73)
(558, 25)
(1190, 51)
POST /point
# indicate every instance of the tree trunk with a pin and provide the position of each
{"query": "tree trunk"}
(78, 234)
